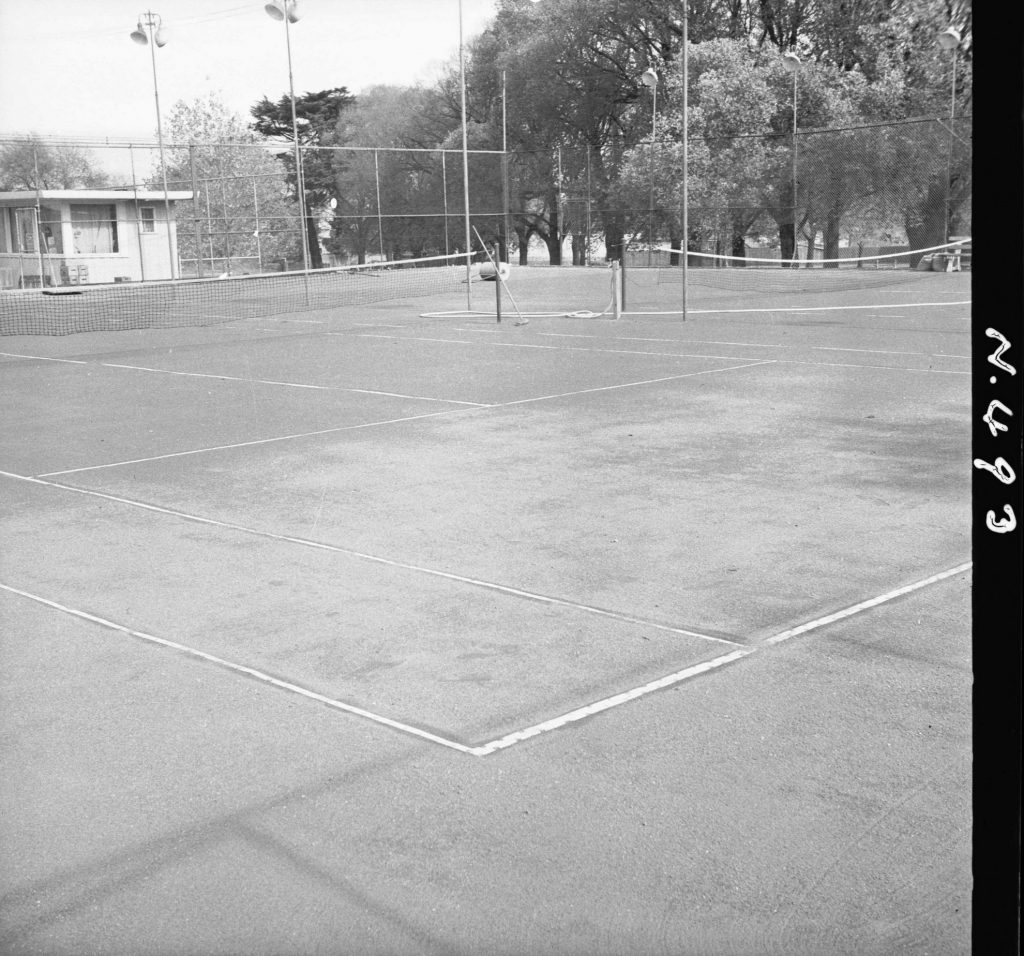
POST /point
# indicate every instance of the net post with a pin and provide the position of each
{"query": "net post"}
(616, 291)
(622, 278)
(497, 287)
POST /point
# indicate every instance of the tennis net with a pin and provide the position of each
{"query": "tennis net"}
(63, 310)
(769, 275)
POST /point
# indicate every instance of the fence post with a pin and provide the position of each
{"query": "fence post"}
(197, 237)
(138, 216)
(444, 191)
(380, 221)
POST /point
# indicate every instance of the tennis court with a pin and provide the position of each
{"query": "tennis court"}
(380, 628)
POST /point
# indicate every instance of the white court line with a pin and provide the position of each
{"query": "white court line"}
(650, 381)
(261, 381)
(865, 605)
(243, 669)
(376, 559)
(554, 723)
(618, 699)
(558, 348)
(608, 703)
(825, 308)
(695, 355)
(884, 368)
(254, 442)
(759, 345)
(43, 358)
(391, 421)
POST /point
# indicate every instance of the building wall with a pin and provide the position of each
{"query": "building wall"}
(143, 252)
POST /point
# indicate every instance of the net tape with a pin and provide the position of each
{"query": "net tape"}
(737, 274)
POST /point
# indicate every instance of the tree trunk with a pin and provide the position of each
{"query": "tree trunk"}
(613, 236)
(830, 238)
(579, 250)
(316, 260)
(739, 245)
(926, 223)
(787, 243)
(523, 233)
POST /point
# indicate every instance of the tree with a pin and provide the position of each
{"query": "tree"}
(317, 115)
(30, 163)
(241, 194)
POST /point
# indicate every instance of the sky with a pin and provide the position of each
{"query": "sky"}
(68, 68)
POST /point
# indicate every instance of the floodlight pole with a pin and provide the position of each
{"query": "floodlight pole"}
(686, 144)
(650, 79)
(300, 185)
(791, 63)
(155, 39)
(465, 163)
(949, 39)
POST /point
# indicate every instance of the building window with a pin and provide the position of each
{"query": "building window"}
(50, 230)
(23, 222)
(147, 217)
(94, 228)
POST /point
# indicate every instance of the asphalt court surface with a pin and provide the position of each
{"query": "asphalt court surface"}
(491, 566)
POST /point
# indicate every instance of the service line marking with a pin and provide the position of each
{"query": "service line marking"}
(260, 381)
(43, 358)
(757, 345)
(374, 558)
(559, 348)
(650, 381)
(252, 443)
(242, 669)
(390, 421)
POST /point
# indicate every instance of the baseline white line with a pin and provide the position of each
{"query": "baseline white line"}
(43, 358)
(376, 559)
(607, 703)
(242, 669)
(598, 706)
(261, 381)
(865, 605)
(254, 442)
(824, 308)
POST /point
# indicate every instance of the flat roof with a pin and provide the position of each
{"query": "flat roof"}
(107, 195)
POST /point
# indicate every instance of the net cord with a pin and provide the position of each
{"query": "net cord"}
(790, 262)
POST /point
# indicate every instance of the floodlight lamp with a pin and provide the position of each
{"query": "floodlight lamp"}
(274, 11)
(791, 62)
(161, 36)
(139, 35)
(949, 39)
(294, 13)
(649, 78)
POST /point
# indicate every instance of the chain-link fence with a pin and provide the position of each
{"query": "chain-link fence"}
(820, 194)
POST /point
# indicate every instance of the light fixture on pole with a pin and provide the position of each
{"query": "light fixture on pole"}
(649, 78)
(289, 12)
(465, 160)
(949, 39)
(150, 32)
(791, 63)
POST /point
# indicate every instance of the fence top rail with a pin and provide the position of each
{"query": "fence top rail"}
(275, 147)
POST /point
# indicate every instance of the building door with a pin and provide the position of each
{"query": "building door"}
(153, 245)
